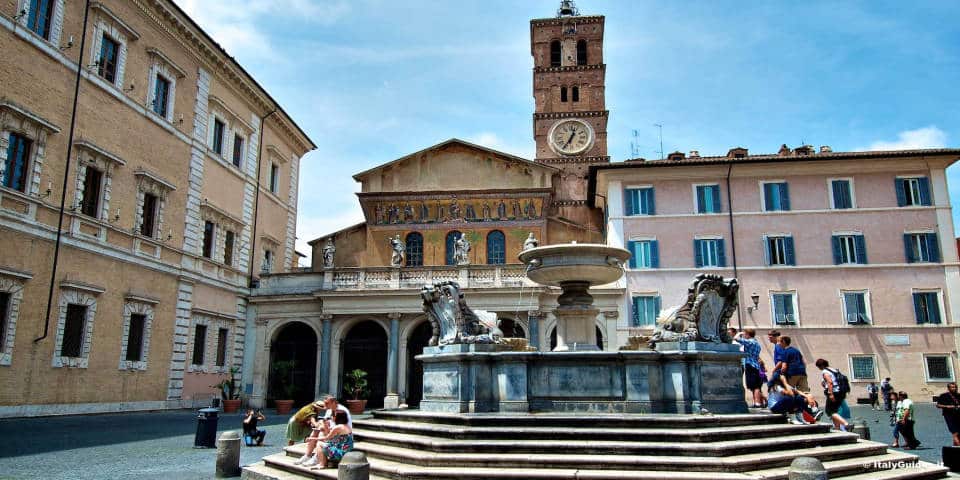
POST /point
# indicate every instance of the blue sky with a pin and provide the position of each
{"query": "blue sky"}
(373, 80)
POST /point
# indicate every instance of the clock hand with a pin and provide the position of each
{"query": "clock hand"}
(572, 134)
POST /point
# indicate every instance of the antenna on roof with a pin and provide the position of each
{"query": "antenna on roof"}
(660, 126)
(567, 9)
(635, 144)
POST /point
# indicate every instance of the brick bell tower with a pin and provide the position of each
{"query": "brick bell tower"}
(570, 116)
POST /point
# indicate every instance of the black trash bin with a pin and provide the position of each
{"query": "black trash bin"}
(206, 428)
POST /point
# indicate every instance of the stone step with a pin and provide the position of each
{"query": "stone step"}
(705, 434)
(846, 466)
(733, 463)
(923, 471)
(568, 420)
(600, 447)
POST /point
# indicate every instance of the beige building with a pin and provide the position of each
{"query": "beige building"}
(147, 181)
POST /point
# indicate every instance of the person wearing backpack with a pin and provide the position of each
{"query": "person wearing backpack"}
(835, 388)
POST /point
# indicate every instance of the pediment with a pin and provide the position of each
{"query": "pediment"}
(456, 165)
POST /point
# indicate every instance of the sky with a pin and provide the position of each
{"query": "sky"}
(373, 80)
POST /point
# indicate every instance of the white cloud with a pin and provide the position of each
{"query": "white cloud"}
(492, 140)
(237, 24)
(310, 227)
(926, 137)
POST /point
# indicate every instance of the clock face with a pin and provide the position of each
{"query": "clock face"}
(571, 137)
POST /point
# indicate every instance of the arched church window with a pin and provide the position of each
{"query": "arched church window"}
(582, 52)
(555, 53)
(576, 94)
(563, 94)
(414, 249)
(496, 249)
(451, 247)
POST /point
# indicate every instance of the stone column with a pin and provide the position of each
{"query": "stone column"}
(392, 400)
(261, 364)
(533, 323)
(576, 318)
(324, 373)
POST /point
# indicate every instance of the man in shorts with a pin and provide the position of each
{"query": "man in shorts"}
(751, 364)
(949, 405)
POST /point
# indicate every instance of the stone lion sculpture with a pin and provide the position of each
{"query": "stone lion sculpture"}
(710, 303)
(453, 321)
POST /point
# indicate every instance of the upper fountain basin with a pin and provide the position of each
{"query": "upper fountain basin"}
(594, 263)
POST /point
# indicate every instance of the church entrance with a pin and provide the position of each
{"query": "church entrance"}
(296, 342)
(418, 339)
(553, 338)
(365, 347)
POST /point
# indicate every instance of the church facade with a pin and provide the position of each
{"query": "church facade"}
(359, 305)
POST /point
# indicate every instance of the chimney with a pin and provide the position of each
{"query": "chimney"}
(694, 154)
(784, 151)
(676, 156)
(804, 150)
(825, 149)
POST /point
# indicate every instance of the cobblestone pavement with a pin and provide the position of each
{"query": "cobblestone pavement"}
(149, 445)
(154, 445)
(930, 429)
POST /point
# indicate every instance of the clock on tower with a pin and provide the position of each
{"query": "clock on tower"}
(570, 116)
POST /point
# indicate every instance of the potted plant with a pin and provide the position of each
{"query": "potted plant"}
(230, 391)
(355, 386)
(282, 370)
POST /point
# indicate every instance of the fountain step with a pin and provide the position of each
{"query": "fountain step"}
(581, 419)
(745, 444)
(738, 462)
(567, 431)
(281, 467)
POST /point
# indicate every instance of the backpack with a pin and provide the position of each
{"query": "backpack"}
(843, 383)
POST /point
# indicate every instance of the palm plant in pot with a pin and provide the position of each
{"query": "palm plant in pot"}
(355, 386)
(282, 371)
(230, 391)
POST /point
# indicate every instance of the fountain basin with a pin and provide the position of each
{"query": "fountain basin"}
(590, 263)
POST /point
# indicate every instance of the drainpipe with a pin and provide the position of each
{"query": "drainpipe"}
(66, 174)
(256, 200)
(733, 249)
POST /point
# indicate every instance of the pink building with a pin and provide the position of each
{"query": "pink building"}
(852, 254)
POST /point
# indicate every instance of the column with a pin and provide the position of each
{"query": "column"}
(392, 400)
(533, 323)
(324, 383)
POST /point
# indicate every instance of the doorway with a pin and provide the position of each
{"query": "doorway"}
(419, 338)
(295, 342)
(365, 348)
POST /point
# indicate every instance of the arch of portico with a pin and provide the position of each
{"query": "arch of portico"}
(267, 331)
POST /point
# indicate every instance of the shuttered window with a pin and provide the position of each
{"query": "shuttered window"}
(842, 193)
(708, 199)
(921, 247)
(135, 337)
(709, 253)
(776, 197)
(645, 310)
(912, 191)
(640, 201)
(783, 311)
(849, 249)
(779, 250)
(644, 254)
(855, 308)
(926, 307)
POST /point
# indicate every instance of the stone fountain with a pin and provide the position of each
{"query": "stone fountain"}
(691, 366)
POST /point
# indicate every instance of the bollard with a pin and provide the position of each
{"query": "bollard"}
(354, 466)
(861, 428)
(807, 468)
(228, 455)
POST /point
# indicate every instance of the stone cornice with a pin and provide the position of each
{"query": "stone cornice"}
(590, 160)
(97, 151)
(83, 287)
(570, 68)
(554, 115)
(170, 63)
(139, 172)
(460, 194)
(578, 19)
(6, 104)
(133, 34)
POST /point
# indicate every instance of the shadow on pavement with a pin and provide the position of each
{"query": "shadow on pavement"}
(28, 436)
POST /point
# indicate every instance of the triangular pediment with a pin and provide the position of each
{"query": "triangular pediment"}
(456, 165)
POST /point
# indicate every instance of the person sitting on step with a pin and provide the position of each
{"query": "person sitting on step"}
(323, 424)
(334, 445)
(785, 399)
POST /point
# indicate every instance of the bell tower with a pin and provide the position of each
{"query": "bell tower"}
(570, 115)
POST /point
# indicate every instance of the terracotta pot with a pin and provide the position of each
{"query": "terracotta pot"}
(231, 406)
(356, 406)
(283, 406)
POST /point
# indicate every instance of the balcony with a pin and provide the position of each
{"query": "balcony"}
(388, 278)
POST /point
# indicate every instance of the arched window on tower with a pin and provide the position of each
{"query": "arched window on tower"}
(414, 249)
(451, 247)
(582, 52)
(555, 55)
(563, 94)
(496, 249)
(576, 94)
